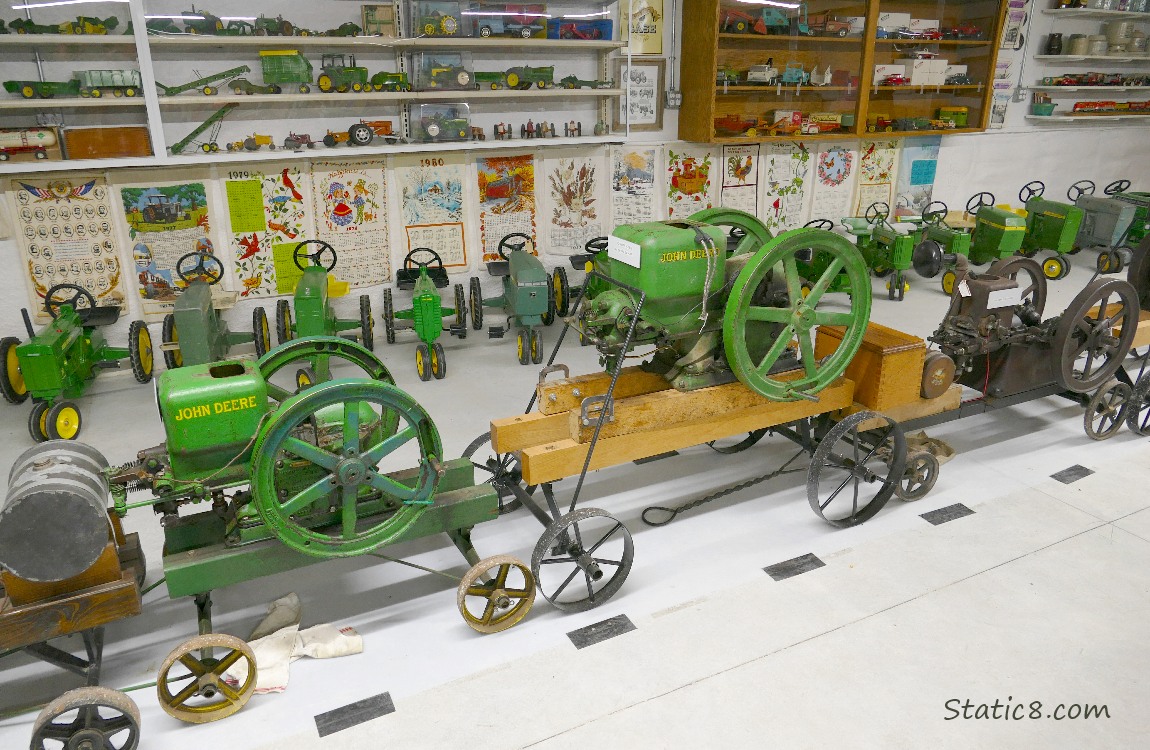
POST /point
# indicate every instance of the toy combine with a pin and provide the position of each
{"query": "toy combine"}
(424, 274)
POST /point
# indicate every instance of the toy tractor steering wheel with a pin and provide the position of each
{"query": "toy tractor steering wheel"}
(52, 305)
(1118, 186)
(935, 216)
(826, 224)
(1079, 189)
(1032, 189)
(200, 269)
(877, 212)
(977, 201)
(434, 261)
(595, 245)
(317, 258)
(505, 243)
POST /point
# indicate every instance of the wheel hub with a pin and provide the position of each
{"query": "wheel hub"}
(804, 317)
(350, 471)
(86, 739)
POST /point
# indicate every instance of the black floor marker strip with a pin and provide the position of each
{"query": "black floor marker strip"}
(949, 513)
(601, 631)
(348, 716)
(1072, 474)
(793, 567)
(656, 457)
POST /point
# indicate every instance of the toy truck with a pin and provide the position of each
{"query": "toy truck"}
(795, 74)
(828, 25)
(362, 133)
(767, 74)
(35, 141)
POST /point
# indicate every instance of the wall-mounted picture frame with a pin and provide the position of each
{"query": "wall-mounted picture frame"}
(379, 20)
(642, 107)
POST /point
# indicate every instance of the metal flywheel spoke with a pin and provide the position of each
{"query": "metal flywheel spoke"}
(769, 314)
(278, 393)
(776, 350)
(832, 318)
(389, 486)
(794, 285)
(317, 491)
(184, 695)
(349, 515)
(351, 426)
(807, 350)
(194, 665)
(375, 454)
(820, 287)
(309, 452)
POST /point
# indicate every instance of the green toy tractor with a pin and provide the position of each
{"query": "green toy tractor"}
(885, 249)
(530, 297)
(997, 234)
(55, 365)
(206, 336)
(1140, 227)
(424, 274)
(1051, 226)
(1112, 224)
(314, 315)
(340, 73)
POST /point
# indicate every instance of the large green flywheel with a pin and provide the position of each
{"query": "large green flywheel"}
(750, 233)
(318, 352)
(332, 470)
(773, 311)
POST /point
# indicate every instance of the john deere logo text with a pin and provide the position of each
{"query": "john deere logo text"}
(679, 255)
(219, 407)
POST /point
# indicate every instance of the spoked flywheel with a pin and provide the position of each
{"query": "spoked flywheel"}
(856, 468)
(751, 233)
(318, 353)
(89, 717)
(768, 313)
(582, 559)
(1094, 334)
(495, 594)
(1106, 410)
(191, 685)
(323, 475)
(502, 470)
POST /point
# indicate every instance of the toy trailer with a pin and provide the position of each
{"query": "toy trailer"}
(287, 67)
(35, 141)
(117, 82)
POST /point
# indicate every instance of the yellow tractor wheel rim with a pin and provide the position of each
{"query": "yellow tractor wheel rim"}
(67, 422)
(420, 365)
(1052, 267)
(15, 376)
(177, 355)
(144, 340)
(512, 80)
(44, 422)
(558, 291)
(520, 343)
(534, 347)
(434, 360)
(948, 282)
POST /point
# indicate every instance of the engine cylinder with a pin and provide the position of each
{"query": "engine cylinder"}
(54, 521)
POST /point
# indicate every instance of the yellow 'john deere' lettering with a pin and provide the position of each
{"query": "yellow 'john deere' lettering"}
(692, 254)
(219, 407)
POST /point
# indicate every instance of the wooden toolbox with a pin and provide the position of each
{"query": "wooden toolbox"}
(887, 370)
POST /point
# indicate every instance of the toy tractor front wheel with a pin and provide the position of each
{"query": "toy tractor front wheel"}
(475, 303)
(261, 335)
(140, 351)
(12, 384)
(283, 321)
(562, 291)
(523, 345)
(438, 361)
(388, 317)
(62, 421)
(38, 421)
(173, 358)
(366, 323)
(423, 361)
(1055, 267)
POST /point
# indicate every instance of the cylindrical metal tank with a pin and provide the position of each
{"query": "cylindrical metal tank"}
(54, 521)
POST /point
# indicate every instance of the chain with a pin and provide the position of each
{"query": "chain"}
(673, 512)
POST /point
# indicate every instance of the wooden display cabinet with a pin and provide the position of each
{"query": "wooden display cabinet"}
(760, 72)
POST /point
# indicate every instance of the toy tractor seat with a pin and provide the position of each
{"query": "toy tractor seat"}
(89, 314)
(419, 260)
(98, 317)
(498, 268)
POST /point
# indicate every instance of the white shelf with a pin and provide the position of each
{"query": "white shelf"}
(66, 40)
(272, 100)
(102, 102)
(1091, 59)
(1069, 89)
(471, 44)
(1084, 118)
(1090, 13)
(244, 157)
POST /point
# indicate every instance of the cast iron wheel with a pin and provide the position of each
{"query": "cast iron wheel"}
(1138, 412)
(261, 334)
(388, 317)
(63, 422)
(423, 361)
(140, 351)
(283, 321)
(38, 421)
(1032, 189)
(317, 352)
(89, 717)
(858, 468)
(503, 470)
(754, 232)
(173, 358)
(1028, 274)
(562, 291)
(317, 258)
(192, 688)
(1086, 332)
(206, 267)
(438, 361)
(1107, 410)
(1079, 189)
(918, 477)
(536, 346)
(12, 385)
(461, 310)
(80, 299)
(475, 303)
(505, 244)
(523, 345)
(366, 323)
(503, 590)
(344, 439)
(586, 544)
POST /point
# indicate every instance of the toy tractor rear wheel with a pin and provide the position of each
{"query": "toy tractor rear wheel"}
(305, 378)
(283, 321)
(438, 361)
(140, 351)
(63, 421)
(475, 303)
(38, 421)
(562, 291)
(754, 232)
(423, 361)
(388, 317)
(173, 358)
(523, 346)
(349, 503)
(366, 323)
(261, 334)
(12, 385)
(461, 310)
(549, 313)
(767, 311)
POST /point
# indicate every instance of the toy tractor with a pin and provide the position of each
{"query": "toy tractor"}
(1107, 224)
(530, 296)
(1051, 226)
(206, 336)
(313, 313)
(341, 74)
(886, 250)
(997, 234)
(55, 365)
(1140, 228)
(423, 273)
(718, 315)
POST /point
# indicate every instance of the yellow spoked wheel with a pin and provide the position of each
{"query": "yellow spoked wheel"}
(193, 688)
(495, 594)
(62, 421)
(12, 385)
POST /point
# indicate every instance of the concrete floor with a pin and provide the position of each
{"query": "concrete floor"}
(1036, 599)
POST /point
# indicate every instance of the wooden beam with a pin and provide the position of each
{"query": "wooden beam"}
(922, 407)
(557, 396)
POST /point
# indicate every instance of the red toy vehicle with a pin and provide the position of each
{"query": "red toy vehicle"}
(575, 31)
(930, 35)
(964, 31)
(894, 80)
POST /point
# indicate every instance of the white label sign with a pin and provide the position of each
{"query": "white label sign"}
(623, 251)
(1003, 298)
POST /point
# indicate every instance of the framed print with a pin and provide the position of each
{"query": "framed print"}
(642, 106)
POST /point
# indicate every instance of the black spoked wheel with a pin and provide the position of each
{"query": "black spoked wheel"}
(1106, 410)
(856, 468)
(500, 470)
(1138, 412)
(88, 717)
(582, 559)
(918, 477)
